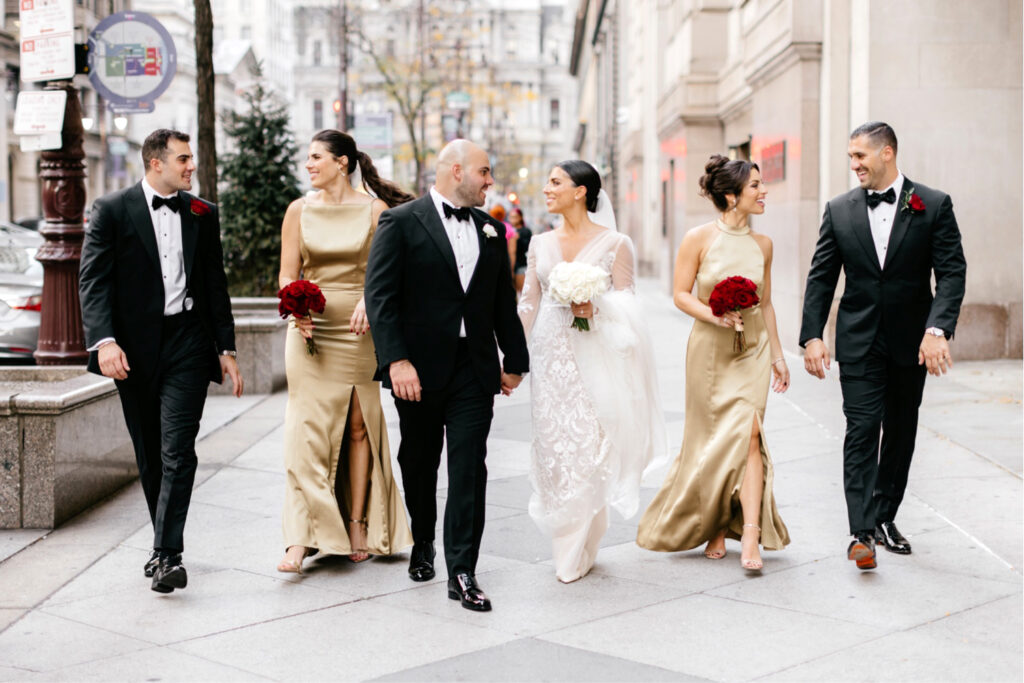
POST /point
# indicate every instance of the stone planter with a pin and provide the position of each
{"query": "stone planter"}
(63, 444)
(259, 339)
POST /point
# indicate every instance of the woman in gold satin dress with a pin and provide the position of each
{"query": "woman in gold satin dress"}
(340, 494)
(720, 486)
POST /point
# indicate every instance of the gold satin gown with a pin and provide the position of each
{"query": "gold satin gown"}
(335, 244)
(725, 392)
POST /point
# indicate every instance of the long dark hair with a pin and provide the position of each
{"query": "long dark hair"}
(585, 175)
(722, 177)
(342, 145)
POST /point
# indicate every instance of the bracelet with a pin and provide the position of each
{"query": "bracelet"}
(777, 360)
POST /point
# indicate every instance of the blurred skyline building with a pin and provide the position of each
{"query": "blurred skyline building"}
(666, 83)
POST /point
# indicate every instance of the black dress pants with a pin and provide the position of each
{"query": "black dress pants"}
(879, 398)
(461, 412)
(162, 413)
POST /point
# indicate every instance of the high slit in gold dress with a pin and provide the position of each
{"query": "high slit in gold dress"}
(334, 244)
(726, 392)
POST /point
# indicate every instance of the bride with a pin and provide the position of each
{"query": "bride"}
(597, 420)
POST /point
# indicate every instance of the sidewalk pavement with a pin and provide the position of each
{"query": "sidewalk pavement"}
(75, 606)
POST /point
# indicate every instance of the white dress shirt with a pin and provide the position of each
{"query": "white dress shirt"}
(167, 230)
(881, 219)
(465, 245)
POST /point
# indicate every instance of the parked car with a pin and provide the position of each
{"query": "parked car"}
(21, 293)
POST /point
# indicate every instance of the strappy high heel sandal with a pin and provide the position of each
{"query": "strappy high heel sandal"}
(749, 563)
(359, 554)
(715, 554)
(287, 566)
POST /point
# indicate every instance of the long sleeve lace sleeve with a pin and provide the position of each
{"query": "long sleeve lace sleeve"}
(624, 266)
(529, 299)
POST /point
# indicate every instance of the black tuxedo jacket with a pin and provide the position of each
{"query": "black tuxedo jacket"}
(121, 285)
(415, 302)
(894, 299)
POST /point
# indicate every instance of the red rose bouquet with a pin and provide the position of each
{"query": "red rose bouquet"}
(298, 298)
(734, 294)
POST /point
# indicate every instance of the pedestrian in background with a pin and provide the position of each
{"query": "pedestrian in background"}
(523, 237)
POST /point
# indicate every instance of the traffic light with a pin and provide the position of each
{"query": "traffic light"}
(336, 106)
(513, 198)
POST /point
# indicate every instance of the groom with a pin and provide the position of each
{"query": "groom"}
(438, 294)
(889, 236)
(157, 320)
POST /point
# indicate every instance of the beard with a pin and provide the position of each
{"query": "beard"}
(468, 195)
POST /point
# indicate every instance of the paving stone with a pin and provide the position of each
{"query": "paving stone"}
(41, 642)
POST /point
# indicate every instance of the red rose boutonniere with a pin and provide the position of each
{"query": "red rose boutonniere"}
(912, 201)
(199, 208)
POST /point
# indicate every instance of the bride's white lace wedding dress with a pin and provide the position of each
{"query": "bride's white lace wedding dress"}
(597, 419)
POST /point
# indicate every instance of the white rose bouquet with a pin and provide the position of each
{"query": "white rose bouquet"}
(577, 283)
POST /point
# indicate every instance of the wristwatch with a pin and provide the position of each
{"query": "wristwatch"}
(229, 352)
(935, 331)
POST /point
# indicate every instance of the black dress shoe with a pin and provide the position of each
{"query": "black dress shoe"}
(888, 535)
(862, 550)
(463, 587)
(421, 562)
(169, 574)
(151, 564)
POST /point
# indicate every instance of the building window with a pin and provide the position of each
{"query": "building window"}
(555, 114)
(317, 52)
(245, 33)
(318, 114)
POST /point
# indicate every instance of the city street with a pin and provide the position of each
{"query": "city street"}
(74, 604)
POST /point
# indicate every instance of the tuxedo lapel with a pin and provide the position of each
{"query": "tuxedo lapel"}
(478, 224)
(189, 233)
(900, 223)
(861, 226)
(427, 215)
(138, 214)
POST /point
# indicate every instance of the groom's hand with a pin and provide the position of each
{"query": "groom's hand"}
(934, 353)
(509, 382)
(405, 382)
(816, 358)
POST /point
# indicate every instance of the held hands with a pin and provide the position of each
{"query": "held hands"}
(816, 358)
(509, 382)
(229, 367)
(359, 323)
(113, 361)
(780, 376)
(405, 381)
(934, 353)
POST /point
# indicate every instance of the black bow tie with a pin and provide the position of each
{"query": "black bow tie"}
(172, 203)
(461, 213)
(876, 198)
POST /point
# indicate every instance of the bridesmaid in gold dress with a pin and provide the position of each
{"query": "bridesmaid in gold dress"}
(340, 495)
(720, 486)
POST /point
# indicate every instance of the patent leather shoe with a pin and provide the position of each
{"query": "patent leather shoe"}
(463, 587)
(151, 564)
(421, 561)
(888, 535)
(862, 550)
(169, 574)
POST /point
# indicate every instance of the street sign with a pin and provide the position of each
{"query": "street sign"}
(374, 131)
(132, 61)
(39, 119)
(47, 39)
(458, 100)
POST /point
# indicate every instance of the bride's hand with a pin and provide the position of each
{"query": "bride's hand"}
(780, 376)
(728, 319)
(584, 310)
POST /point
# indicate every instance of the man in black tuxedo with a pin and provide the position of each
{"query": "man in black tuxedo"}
(439, 293)
(157, 319)
(888, 236)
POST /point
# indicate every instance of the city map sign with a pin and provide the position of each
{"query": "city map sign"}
(47, 39)
(132, 61)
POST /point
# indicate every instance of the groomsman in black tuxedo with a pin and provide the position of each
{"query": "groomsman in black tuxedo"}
(889, 236)
(439, 293)
(157, 319)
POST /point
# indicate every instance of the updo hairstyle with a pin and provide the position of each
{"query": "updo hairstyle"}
(722, 177)
(586, 176)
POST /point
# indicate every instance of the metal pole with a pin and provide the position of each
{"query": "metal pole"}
(343, 68)
(421, 183)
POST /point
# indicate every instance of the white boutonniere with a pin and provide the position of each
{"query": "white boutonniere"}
(489, 231)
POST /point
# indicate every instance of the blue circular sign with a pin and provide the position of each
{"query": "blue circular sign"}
(132, 60)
